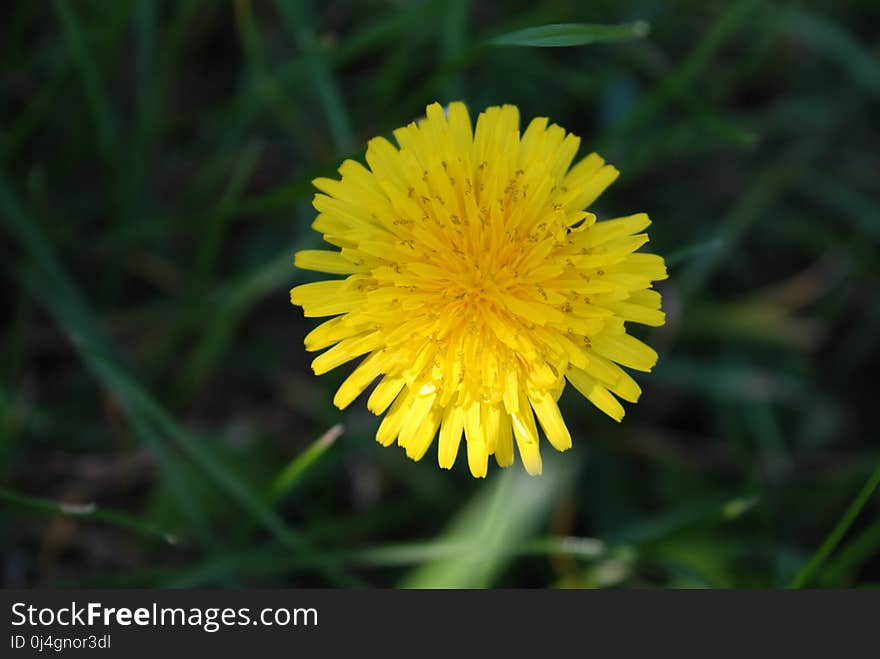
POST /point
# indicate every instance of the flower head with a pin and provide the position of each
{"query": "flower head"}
(477, 285)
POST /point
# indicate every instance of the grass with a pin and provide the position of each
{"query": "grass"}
(155, 168)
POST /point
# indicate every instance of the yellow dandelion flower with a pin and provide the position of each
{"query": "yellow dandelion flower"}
(477, 285)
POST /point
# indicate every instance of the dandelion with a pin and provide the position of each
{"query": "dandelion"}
(477, 286)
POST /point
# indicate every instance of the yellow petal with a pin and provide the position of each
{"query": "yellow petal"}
(472, 428)
(526, 434)
(367, 371)
(638, 313)
(595, 393)
(603, 232)
(460, 127)
(478, 458)
(649, 266)
(626, 387)
(419, 409)
(551, 420)
(450, 436)
(646, 298)
(326, 298)
(330, 332)
(419, 443)
(389, 429)
(346, 350)
(384, 394)
(504, 441)
(596, 186)
(511, 391)
(321, 260)
(625, 349)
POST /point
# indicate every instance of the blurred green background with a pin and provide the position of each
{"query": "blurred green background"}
(160, 424)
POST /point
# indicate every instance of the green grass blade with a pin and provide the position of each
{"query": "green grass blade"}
(571, 34)
(70, 311)
(139, 401)
(23, 126)
(216, 224)
(273, 560)
(855, 207)
(296, 16)
(470, 557)
(691, 251)
(503, 514)
(683, 76)
(265, 87)
(471, 554)
(838, 44)
(384, 29)
(858, 551)
(675, 521)
(179, 483)
(452, 38)
(87, 511)
(414, 553)
(143, 138)
(293, 473)
(232, 302)
(96, 95)
(838, 532)
(768, 185)
(730, 380)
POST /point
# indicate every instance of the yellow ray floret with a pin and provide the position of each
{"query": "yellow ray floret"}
(476, 286)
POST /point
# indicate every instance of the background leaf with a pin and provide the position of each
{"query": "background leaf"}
(571, 34)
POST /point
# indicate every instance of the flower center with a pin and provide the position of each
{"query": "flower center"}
(475, 285)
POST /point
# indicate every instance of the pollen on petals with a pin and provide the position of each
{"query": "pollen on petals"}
(476, 286)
